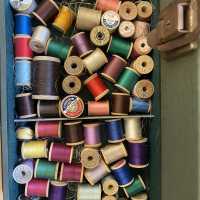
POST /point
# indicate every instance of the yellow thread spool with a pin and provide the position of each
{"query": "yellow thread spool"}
(109, 198)
(24, 133)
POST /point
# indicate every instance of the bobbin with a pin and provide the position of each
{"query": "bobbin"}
(104, 5)
(141, 29)
(23, 6)
(128, 11)
(100, 108)
(126, 29)
(110, 185)
(144, 10)
(24, 133)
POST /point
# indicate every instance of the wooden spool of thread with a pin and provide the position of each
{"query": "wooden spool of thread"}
(120, 104)
(64, 19)
(128, 11)
(141, 29)
(37, 187)
(71, 172)
(73, 133)
(72, 106)
(25, 105)
(74, 65)
(45, 77)
(99, 36)
(46, 11)
(105, 5)
(114, 68)
(34, 149)
(24, 133)
(87, 18)
(60, 152)
(22, 49)
(144, 10)
(138, 153)
(96, 174)
(109, 198)
(96, 86)
(141, 105)
(46, 170)
(126, 29)
(110, 185)
(46, 129)
(100, 108)
(23, 6)
(144, 89)
(142, 196)
(113, 152)
(23, 24)
(133, 129)
(71, 84)
(39, 39)
(90, 158)
(48, 109)
(57, 190)
(122, 173)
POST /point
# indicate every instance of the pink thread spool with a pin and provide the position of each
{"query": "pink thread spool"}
(98, 108)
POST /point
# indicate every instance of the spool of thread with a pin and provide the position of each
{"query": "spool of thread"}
(24, 133)
(141, 105)
(24, 6)
(127, 80)
(96, 174)
(72, 106)
(57, 190)
(74, 66)
(73, 133)
(100, 108)
(71, 172)
(34, 149)
(22, 49)
(144, 10)
(122, 173)
(92, 134)
(120, 104)
(90, 158)
(23, 172)
(128, 11)
(113, 152)
(120, 47)
(126, 29)
(37, 187)
(141, 29)
(71, 84)
(64, 19)
(142, 196)
(60, 152)
(115, 132)
(58, 49)
(135, 188)
(39, 39)
(138, 153)
(46, 72)
(25, 105)
(88, 192)
(133, 129)
(109, 198)
(87, 18)
(110, 185)
(48, 109)
(95, 60)
(45, 129)
(23, 24)
(114, 68)
(82, 44)
(96, 86)
(46, 11)
(110, 20)
(23, 73)
(105, 5)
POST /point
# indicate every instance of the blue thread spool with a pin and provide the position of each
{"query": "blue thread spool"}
(23, 24)
(140, 105)
(115, 131)
(23, 73)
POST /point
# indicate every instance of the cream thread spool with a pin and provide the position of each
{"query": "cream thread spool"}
(144, 10)
(141, 29)
(110, 185)
(23, 6)
(142, 196)
(128, 11)
(109, 198)
(24, 133)
(126, 29)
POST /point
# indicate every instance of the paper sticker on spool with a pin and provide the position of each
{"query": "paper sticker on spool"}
(25, 6)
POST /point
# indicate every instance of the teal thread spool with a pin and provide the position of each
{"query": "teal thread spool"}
(120, 47)
(127, 80)
(46, 170)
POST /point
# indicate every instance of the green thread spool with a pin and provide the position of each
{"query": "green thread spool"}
(120, 47)
(127, 80)
(58, 49)
(46, 170)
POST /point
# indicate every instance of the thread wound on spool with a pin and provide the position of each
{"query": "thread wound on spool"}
(142, 196)
(58, 190)
(100, 108)
(24, 133)
(144, 9)
(141, 29)
(126, 29)
(23, 24)
(110, 185)
(141, 105)
(24, 6)
(105, 5)
(128, 11)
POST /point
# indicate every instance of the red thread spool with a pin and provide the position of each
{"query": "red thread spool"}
(96, 86)
(60, 152)
(48, 129)
(22, 49)
(37, 187)
(105, 5)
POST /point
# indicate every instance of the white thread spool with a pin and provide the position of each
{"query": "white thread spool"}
(141, 29)
(24, 6)
(24, 133)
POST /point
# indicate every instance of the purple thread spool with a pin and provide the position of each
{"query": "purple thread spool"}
(57, 190)
(138, 153)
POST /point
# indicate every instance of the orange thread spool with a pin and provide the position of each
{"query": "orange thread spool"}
(98, 108)
(105, 5)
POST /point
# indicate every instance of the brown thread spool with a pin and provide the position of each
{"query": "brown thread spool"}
(110, 185)
(100, 108)
(113, 152)
(120, 104)
(25, 105)
(109, 198)
(144, 10)
(46, 11)
(126, 29)
(141, 29)
(71, 84)
(144, 89)
(128, 11)
(87, 18)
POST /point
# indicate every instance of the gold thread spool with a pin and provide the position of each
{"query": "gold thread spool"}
(128, 11)
(141, 29)
(142, 196)
(24, 133)
(141, 46)
(109, 198)
(113, 152)
(144, 10)
(126, 29)
(110, 185)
